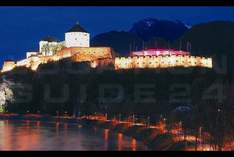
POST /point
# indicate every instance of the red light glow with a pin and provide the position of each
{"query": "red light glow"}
(133, 144)
(106, 134)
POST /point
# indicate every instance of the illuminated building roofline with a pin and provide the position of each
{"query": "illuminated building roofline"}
(171, 61)
(158, 52)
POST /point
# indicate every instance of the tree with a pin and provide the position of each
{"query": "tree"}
(6, 95)
(45, 49)
(56, 48)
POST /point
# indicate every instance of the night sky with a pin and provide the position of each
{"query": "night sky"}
(21, 28)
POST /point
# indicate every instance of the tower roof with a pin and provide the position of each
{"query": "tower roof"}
(77, 28)
(49, 39)
(9, 60)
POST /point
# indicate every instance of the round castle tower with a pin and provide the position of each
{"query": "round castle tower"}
(77, 36)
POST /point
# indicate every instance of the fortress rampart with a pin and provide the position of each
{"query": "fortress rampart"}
(95, 55)
(77, 48)
(162, 62)
(103, 56)
(8, 65)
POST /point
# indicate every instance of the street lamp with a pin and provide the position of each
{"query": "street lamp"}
(106, 116)
(119, 117)
(79, 114)
(57, 114)
(200, 134)
(148, 119)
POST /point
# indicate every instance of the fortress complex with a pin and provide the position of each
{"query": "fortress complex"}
(77, 47)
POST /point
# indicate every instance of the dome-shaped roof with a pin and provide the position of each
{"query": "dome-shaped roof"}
(77, 28)
(49, 39)
(9, 60)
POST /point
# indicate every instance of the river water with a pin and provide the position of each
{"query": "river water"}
(29, 135)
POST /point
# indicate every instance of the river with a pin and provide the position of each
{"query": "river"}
(29, 135)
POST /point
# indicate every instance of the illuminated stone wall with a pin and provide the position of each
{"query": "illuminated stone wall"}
(95, 55)
(161, 62)
(91, 54)
(8, 65)
(101, 63)
(102, 56)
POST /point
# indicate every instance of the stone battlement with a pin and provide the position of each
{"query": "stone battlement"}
(102, 56)
(162, 62)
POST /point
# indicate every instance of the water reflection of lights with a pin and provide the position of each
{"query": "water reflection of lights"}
(57, 128)
(229, 146)
(204, 147)
(95, 129)
(133, 144)
(38, 123)
(106, 138)
(106, 134)
(2, 123)
(28, 140)
(161, 127)
(6, 139)
(16, 137)
(57, 124)
(65, 125)
(120, 140)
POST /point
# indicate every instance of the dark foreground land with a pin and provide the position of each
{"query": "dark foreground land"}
(194, 97)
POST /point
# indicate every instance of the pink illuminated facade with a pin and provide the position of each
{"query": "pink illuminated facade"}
(161, 58)
(159, 52)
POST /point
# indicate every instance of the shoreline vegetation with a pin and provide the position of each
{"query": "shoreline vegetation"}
(155, 137)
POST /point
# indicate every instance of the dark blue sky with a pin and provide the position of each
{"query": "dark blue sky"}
(21, 28)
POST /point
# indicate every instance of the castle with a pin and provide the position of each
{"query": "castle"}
(77, 47)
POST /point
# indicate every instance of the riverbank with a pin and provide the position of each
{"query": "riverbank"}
(154, 138)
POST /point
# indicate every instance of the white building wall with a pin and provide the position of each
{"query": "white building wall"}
(29, 54)
(50, 52)
(77, 39)
(41, 43)
(23, 62)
